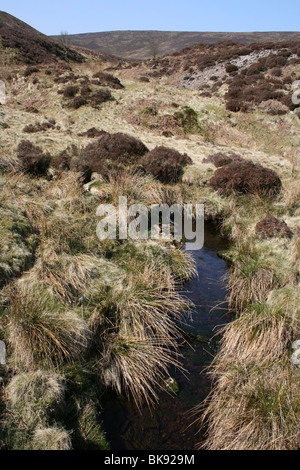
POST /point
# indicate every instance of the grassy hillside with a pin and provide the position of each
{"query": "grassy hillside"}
(139, 45)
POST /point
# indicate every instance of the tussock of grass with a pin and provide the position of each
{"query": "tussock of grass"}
(33, 395)
(254, 404)
(142, 312)
(33, 400)
(52, 438)
(254, 408)
(90, 429)
(135, 366)
(132, 184)
(39, 330)
(251, 278)
(17, 243)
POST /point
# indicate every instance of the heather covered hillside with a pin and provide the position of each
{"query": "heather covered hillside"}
(20, 43)
(141, 45)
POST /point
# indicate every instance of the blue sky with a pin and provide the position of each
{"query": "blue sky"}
(84, 16)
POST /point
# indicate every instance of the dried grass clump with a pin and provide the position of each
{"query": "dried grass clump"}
(246, 178)
(254, 407)
(138, 188)
(39, 330)
(144, 308)
(253, 275)
(255, 401)
(165, 164)
(253, 286)
(291, 197)
(18, 242)
(34, 396)
(73, 277)
(32, 159)
(135, 366)
(9, 164)
(33, 401)
(51, 438)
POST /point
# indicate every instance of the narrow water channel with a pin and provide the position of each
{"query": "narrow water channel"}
(167, 426)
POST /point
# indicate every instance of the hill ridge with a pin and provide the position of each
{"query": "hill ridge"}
(144, 44)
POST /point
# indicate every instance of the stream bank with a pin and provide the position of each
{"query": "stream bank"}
(167, 426)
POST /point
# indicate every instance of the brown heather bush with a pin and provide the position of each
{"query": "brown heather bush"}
(246, 178)
(273, 107)
(65, 78)
(39, 127)
(234, 105)
(78, 102)
(276, 72)
(270, 227)
(220, 159)
(106, 79)
(144, 79)
(63, 160)
(111, 150)
(85, 91)
(32, 159)
(92, 133)
(165, 164)
(30, 70)
(101, 96)
(70, 91)
(231, 68)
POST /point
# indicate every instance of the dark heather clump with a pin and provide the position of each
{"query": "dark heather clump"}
(165, 164)
(70, 91)
(32, 159)
(270, 227)
(111, 150)
(220, 159)
(78, 102)
(39, 127)
(101, 96)
(106, 79)
(246, 178)
(63, 160)
(92, 133)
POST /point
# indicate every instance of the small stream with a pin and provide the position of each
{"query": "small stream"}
(167, 426)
